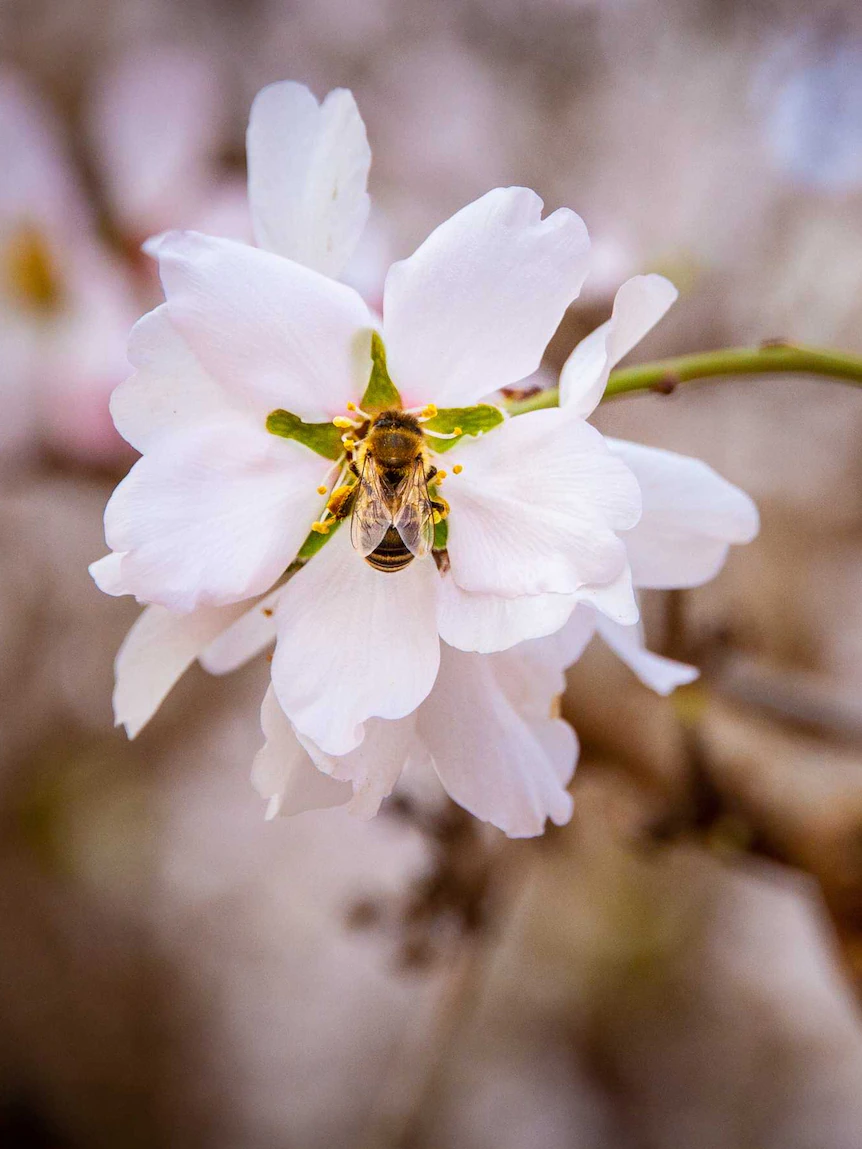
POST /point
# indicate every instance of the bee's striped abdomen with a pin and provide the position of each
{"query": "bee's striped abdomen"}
(391, 555)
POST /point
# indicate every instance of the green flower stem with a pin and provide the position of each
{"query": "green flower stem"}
(664, 375)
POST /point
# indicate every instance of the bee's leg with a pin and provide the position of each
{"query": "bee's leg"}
(352, 467)
(341, 501)
(430, 473)
(440, 508)
(441, 558)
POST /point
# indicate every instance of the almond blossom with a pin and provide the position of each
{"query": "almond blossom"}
(219, 507)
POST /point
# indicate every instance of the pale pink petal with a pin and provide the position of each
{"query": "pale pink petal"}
(485, 622)
(107, 574)
(283, 773)
(156, 652)
(662, 675)
(536, 508)
(307, 175)
(640, 303)
(244, 639)
(615, 599)
(566, 646)
(214, 515)
(505, 768)
(375, 766)
(157, 117)
(691, 515)
(270, 331)
(169, 390)
(353, 644)
(39, 186)
(473, 309)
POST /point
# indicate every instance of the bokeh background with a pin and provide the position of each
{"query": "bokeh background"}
(681, 966)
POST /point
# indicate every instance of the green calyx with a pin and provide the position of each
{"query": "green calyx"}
(381, 394)
(460, 422)
(315, 541)
(322, 438)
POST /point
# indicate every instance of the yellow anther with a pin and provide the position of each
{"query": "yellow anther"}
(348, 441)
(351, 407)
(457, 431)
(321, 490)
(320, 528)
(429, 412)
(440, 476)
(437, 517)
(457, 469)
(342, 422)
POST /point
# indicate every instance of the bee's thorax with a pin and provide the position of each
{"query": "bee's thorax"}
(395, 441)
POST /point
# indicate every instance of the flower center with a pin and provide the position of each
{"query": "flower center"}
(31, 272)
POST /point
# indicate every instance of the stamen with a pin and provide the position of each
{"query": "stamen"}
(333, 471)
(320, 528)
(348, 441)
(426, 413)
(440, 476)
(362, 414)
(457, 469)
(343, 423)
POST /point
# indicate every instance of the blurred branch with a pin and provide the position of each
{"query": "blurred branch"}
(664, 375)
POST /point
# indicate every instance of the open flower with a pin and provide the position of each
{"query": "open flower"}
(259, 387)
(262, 393)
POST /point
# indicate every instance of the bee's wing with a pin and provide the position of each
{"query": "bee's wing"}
(413, 515)
(371, 516)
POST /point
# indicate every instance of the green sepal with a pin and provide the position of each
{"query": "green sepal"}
(381, 394)
(441, 535)
(313, 543)
(472, 421)
(322, 438)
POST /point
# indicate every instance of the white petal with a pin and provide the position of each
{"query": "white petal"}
(473, 309)
(156, 120)
(375, 765)
(660, 674)
(640, 303)
(107, 574)
(505, 768)
(244, 639)
(155, 653)
(486, 622)
(213, 515)
(353, 644)
(564, 648)
(169, 389)
(690, 517)
(537, 506)
(268, 330)
(616, 599)
(284, 773)
(307, 175)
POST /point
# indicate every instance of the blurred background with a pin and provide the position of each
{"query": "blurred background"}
(681, 966)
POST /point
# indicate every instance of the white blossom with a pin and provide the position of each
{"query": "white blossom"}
(456, 669)
(219, 507)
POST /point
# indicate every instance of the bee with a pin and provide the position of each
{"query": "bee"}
(392, 514)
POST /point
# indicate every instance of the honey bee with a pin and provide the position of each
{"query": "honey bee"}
(392, 514)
